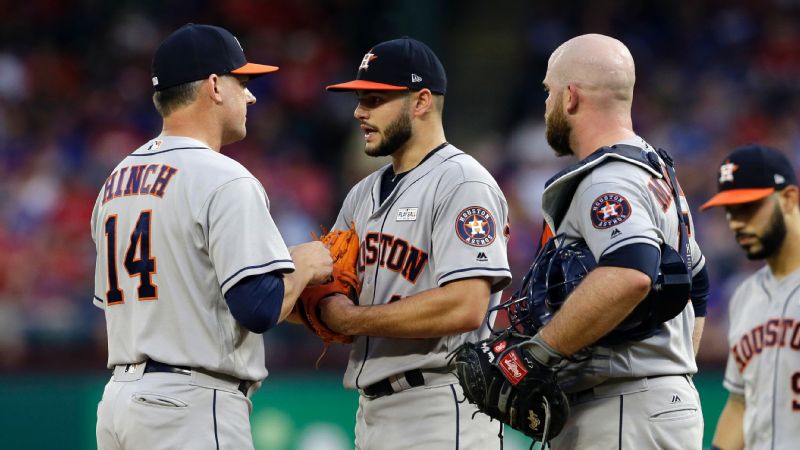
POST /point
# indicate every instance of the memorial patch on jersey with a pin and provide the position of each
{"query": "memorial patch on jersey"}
(609, 210)
(406, 214)
(475, 226)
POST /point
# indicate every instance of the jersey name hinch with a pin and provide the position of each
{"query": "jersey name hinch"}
(141, 179)
(780, 332)
(394, 253)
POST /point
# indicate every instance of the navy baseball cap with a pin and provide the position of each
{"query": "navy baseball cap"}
(194, 52)
(398, 65)
(751, 173)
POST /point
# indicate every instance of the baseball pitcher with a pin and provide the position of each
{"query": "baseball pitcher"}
(433, 231)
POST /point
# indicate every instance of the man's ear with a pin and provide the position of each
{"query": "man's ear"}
(570, 98)
(790, 198)
(423, 102)
(212, 88)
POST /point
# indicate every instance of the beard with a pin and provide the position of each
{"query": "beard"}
(395, 136)
(558, 131)
(771, 239)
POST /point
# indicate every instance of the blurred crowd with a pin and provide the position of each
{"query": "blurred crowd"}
(75, 98)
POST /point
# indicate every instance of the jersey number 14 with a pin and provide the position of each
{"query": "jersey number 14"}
(143, 266)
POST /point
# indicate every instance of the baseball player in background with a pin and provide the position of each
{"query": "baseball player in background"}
(433, 232)
(637, 394)
(759, 191)
(190, 266)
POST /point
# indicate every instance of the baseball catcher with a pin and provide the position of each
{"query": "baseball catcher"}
(509, 384)
(343, 246)
(561, 266)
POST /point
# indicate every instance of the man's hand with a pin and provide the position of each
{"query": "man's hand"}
(336, 311)
(312, 265)
(314, 259)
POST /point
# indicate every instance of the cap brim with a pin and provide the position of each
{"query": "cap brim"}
(254, 69)
(736, 196)
(363, 85)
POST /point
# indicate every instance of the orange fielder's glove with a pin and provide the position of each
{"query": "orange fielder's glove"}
(343, 245)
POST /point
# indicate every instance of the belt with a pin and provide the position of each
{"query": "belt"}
(155, 366)
(411, 378)
(610, 386)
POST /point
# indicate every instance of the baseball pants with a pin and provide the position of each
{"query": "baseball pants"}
(429, 418)
(647, 413)
(155, 411)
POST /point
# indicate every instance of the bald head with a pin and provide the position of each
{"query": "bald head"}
(597, 64)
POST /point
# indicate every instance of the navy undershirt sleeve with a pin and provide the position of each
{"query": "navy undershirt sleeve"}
(700, 290)
(255, 301)
(642, 257)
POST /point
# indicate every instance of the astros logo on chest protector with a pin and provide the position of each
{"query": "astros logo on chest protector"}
(475, 226)
(609, 210)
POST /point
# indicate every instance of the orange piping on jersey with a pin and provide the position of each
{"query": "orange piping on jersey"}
(135, 179)
(122, 172)
(663, 196)
(108, 272)
(163, 178)
(133, 246)
(397, 255)
(146, 188)
(108, 192)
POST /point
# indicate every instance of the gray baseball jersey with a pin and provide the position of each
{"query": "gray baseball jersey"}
(176, 225)
(446, 220)
(764, 359)
(619, 204)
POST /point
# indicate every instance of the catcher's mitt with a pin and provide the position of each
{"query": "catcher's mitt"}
(512, 387)
(343, 245)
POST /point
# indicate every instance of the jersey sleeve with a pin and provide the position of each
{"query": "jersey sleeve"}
(733, 381)
(615, 215)
(242, 238)
(347, 212)
(101, 264)
(470, 236)
(698, 260)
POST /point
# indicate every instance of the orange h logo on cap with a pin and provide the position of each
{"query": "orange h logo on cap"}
(726, 172)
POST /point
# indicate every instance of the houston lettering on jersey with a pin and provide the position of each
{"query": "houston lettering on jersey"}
(395, 253)
(144, 179)
(775, 333)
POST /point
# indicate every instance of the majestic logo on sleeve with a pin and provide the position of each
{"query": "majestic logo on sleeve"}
(475, 226)
(726, 172)
(610, 210)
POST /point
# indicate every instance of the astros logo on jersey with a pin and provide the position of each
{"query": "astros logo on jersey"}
(365, 62)
(609, 210)
(726, 172)
(475, 226)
